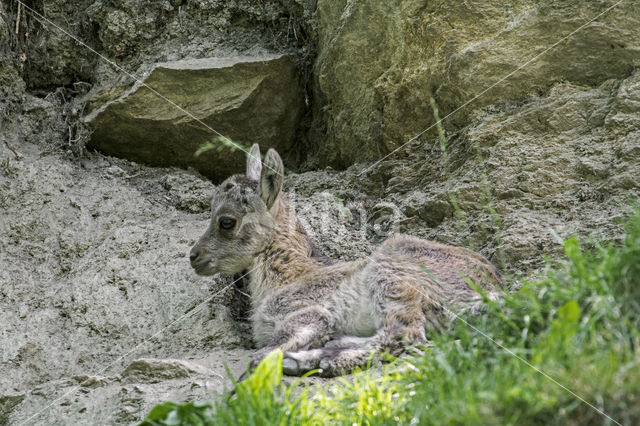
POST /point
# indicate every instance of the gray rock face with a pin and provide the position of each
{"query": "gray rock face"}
(4, 31)
(247, 99)
(89, 285)
(52, 58)
(157, 370)
(11, 85)
(7, 402)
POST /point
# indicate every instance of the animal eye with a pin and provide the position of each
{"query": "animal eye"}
(227, 223)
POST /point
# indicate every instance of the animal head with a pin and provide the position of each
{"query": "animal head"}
(243, 217)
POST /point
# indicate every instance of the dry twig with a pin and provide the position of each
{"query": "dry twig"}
(18, 156)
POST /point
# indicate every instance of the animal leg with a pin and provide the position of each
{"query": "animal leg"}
(345, 342)
(301, 330)
(342, 356)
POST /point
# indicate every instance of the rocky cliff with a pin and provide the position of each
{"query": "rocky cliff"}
(102, 193)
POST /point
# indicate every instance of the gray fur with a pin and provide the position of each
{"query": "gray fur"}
(332, 316)
(254, 165)
(271, 177)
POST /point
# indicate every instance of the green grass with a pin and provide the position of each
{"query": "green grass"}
(579, 324)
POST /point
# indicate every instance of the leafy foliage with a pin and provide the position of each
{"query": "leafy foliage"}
(563, 349)
(171, 413)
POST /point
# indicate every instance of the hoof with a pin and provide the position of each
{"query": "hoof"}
(325, 365)
(290, 367)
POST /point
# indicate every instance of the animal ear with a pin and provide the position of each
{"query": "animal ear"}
(254, 164)
(271, 178)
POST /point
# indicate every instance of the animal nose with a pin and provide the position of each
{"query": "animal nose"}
(198, 256)
(195, 254)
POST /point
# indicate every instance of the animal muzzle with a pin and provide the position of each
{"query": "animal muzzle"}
(200, 258)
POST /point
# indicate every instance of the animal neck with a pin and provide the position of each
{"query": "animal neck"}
(287, 257)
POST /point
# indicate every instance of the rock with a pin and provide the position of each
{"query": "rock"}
(92, 382)
(4, 30)
(11, 85)
(192, 194)
(122, 29)
(432, 211)
(178, 29)
(624, 111)
(93, 265)
(248, 99)
(131, 33)
(51, 57)
(7, 403)
(379, 63)
(114, 172)
(146, 370)
(549, 148)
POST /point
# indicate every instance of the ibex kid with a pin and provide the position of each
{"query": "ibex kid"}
(330, 316)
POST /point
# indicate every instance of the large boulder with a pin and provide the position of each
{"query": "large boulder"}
(247, 99)
(380, 62)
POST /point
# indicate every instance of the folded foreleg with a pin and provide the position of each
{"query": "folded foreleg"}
(343, 355)
(301, 330)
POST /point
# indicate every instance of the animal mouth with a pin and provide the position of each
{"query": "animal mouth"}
(205, 268)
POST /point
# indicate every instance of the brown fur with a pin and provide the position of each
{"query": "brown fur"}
(323, 315)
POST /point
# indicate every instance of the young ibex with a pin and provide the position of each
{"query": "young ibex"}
(331, 316)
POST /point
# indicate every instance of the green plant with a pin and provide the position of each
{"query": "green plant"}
(218, 144)
(496, 222)
(170, 413)
(445, 158)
